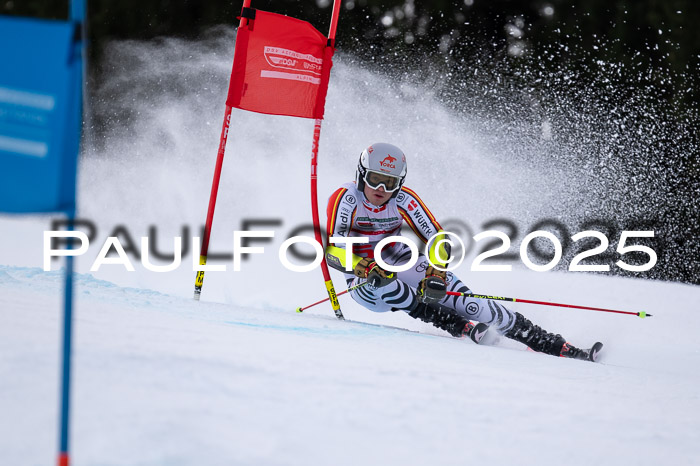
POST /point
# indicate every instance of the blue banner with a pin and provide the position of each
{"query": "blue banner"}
(40, 114)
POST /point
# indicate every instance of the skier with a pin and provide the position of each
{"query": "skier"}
(375, 206)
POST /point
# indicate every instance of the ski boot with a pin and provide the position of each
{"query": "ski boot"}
(441, 317)
(570, 351)
(538, 339)
(450, 321)
(534, 337)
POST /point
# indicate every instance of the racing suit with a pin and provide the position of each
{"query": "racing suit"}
(350, 215)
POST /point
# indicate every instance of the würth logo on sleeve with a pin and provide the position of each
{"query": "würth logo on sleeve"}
(388, 162)
(412, 205)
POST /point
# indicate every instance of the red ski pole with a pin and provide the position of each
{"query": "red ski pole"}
(302, 309)
(544, 303)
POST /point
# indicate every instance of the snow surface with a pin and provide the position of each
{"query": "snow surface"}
(240, 378)
(161, 379)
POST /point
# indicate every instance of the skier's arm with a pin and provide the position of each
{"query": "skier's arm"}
(417, 215)
(340, 214)
(337, 258)
(362, 267)
(439, 251)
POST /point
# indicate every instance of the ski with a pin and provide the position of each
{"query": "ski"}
(595, 351)
(477, 331)
(590, 354)
(481, 334)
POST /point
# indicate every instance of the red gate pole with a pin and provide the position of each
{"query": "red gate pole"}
(314, 168)
(199, 279)
(317, 228)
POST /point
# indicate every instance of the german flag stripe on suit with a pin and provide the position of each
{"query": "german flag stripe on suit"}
(427, 211)
(332, 210)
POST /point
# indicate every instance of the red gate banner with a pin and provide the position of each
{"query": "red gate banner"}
(281, 66)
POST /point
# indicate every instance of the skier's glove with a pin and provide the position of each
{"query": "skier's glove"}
(433, 288)
(375, 275)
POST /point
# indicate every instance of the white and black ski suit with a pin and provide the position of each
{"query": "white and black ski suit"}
(351, 215)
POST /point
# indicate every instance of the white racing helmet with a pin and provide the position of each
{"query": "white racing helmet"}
(382, 165)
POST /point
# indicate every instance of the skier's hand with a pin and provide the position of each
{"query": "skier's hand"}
(433, 288)
(375, 275)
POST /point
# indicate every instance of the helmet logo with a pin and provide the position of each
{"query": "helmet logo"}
(388, 162)
(370, 149)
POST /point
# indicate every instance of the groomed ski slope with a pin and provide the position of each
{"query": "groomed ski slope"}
(162, 380)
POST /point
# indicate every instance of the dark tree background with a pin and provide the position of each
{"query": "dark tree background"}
(663, 32)
(613, 57)
(659, 32)
(654, 43)
(660, 35)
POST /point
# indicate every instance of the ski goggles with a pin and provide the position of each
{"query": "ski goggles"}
(375, 179)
